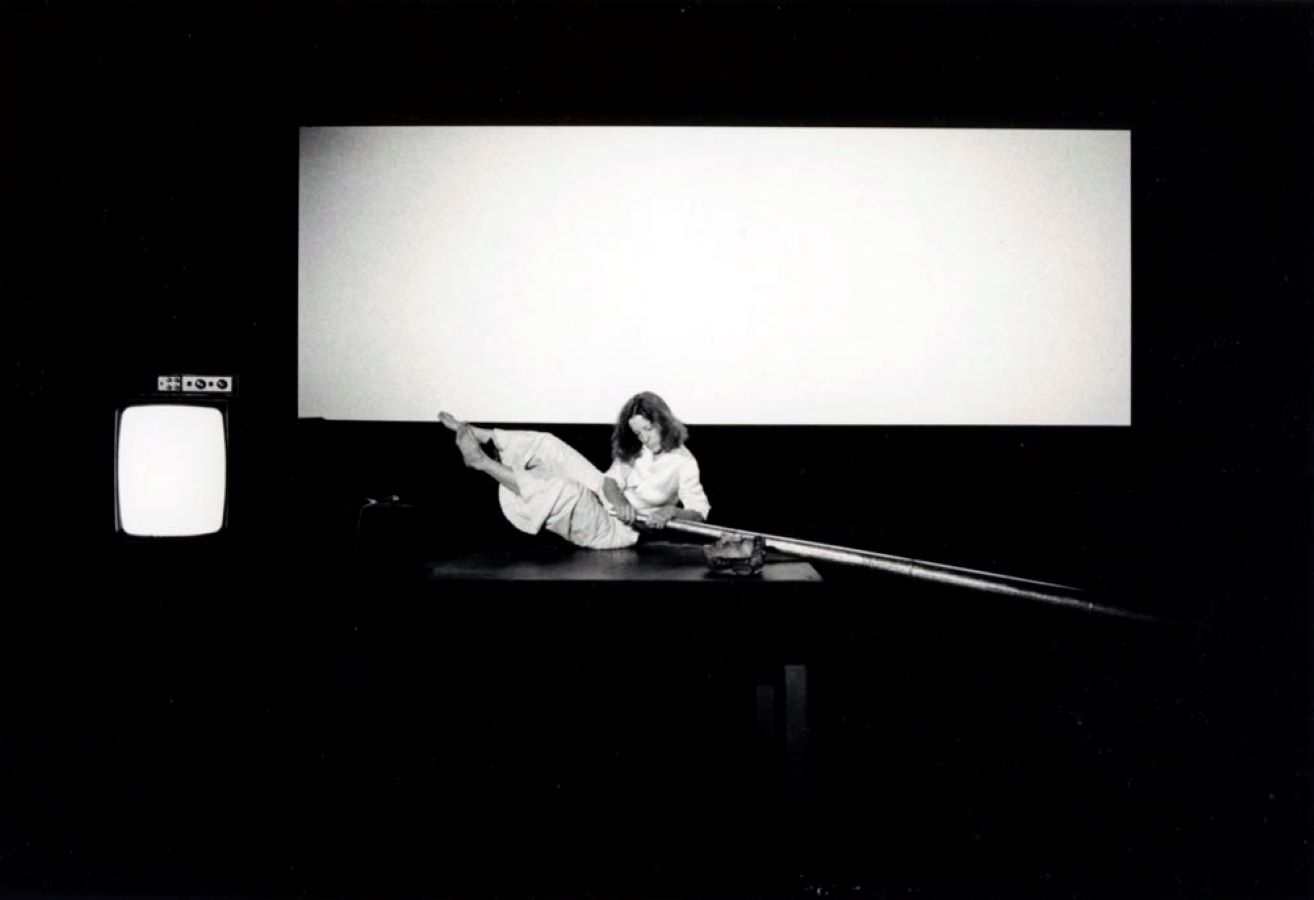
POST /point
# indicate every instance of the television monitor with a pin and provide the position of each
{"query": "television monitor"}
(171, 468)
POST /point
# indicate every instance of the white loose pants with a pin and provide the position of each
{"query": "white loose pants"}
(560, 491)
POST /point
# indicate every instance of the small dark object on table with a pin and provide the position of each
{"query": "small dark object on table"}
(739, 556)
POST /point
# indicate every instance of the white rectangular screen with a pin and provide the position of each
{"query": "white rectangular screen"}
(748, 275)
(172, 465)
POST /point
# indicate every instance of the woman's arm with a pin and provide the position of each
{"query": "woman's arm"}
(612, 492)
(691, 497)
(663, 514)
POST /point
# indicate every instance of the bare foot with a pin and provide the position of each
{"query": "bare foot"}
(482, 435)
(472, 450)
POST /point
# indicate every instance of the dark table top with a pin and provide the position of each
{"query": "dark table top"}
(649, 561)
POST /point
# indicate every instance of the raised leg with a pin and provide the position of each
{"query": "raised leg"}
(550, 485)
(470, 441)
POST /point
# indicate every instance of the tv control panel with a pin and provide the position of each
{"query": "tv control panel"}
(196, 384)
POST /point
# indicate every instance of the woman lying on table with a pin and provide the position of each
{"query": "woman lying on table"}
(547, 484)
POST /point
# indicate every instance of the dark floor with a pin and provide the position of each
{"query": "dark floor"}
(375, 736)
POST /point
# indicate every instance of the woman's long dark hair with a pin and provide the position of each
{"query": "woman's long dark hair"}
(625, 443)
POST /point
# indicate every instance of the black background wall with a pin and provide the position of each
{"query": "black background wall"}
(163, 707)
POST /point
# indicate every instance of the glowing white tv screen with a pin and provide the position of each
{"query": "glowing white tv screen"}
(848, 276)
(172, 470)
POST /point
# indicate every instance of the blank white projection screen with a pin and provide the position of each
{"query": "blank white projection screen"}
(749, 275)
